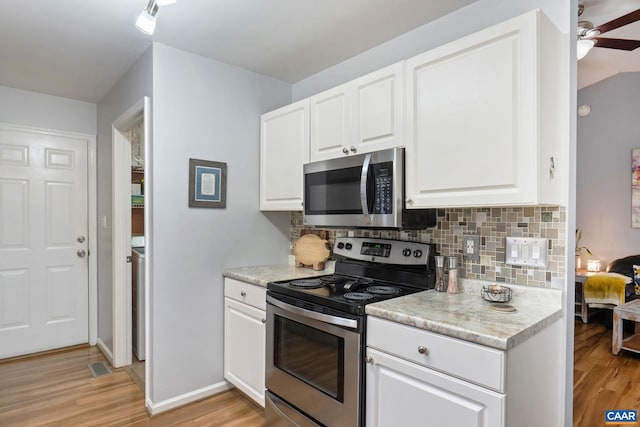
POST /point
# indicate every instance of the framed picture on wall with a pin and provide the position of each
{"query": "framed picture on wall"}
(635, 188)
(207, 184)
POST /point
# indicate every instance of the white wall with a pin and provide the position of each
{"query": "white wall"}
(474, 17)
(207, 110)
(605, 140)
(132, 86)
(45, 111)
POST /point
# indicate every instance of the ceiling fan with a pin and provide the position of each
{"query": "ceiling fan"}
(588, 35)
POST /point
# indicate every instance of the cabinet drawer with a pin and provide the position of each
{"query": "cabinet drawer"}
(247, 293)
(471, 362)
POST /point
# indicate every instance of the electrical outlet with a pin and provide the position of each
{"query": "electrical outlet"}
(471, 247)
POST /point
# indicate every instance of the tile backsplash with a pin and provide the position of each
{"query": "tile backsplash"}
(493, 225)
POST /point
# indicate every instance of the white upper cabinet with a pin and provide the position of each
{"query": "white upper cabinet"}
(483, 118)
(363, 115)
(284, 148)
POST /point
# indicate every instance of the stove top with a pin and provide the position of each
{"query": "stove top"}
(342, 293)
(366, 271)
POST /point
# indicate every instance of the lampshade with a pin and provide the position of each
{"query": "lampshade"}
(593, 265)
(584, 46)
(146, 22)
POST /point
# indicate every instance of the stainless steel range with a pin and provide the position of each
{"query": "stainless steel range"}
(316, 330)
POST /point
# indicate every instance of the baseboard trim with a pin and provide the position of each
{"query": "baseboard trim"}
(184, 399)
(105, 350)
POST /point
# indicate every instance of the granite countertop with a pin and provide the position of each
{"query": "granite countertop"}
(263, 274)
(468, 317)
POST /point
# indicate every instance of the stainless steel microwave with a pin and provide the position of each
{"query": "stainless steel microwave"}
(364, 190)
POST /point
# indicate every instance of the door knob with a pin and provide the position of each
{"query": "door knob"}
(81, 239)
(81, 253)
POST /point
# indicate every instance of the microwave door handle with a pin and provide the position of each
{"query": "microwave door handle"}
(364, 176)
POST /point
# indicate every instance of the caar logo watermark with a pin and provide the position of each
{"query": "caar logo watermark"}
(621, 416)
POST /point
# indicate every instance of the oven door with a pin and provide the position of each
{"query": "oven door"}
(313, 362)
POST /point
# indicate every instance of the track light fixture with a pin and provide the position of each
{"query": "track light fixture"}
(146, 22)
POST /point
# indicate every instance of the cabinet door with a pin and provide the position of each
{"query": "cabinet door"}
(284, 148)
(400, 393)
(331, 123)
(244, 348)
(472, 116)
(378, 110)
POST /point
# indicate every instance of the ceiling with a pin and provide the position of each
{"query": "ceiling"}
(80, 48)
(601, 63)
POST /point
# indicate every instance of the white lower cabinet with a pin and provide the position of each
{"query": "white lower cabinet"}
(416, 377)
(244, 337)
(401, 393)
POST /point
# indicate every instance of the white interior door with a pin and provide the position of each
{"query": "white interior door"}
(43, 241)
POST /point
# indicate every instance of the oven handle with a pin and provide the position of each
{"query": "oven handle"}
(326, 318)
(364, 175)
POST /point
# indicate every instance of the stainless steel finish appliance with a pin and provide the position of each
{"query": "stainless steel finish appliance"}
(137, 297)
(364, 190)
(316, 330)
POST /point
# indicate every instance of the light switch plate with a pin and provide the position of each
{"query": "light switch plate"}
(527, 251)
(471, 247)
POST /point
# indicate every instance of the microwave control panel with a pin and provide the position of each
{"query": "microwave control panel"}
(382, 203)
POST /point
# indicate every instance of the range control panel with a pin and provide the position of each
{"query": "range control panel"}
(382, 250)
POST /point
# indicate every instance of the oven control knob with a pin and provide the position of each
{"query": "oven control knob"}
(406, 252)
(417, 253)
(340, 245)
(348, 246)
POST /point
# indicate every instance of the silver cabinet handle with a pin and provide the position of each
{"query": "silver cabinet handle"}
(423, 350)
(243, 294)
(81, 239)
(345, 150)
(369, 360)
(353, 149)
(409, 201)
(264, 320)
(81, 253)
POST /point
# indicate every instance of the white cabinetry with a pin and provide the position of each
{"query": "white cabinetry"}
(420, 378)
(244, 337)
(416, 377)
(284, 148)
(363, 115)
(483, 116)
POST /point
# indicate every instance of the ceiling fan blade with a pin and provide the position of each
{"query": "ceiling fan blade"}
(619, 22)
(621, 44)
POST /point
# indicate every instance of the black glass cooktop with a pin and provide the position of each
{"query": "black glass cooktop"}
(343, 293)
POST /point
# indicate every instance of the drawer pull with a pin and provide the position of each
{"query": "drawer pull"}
(369, 360)
(264, 320)
(423, 350)
(243, 294)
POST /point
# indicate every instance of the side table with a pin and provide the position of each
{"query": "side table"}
(628, 311)
(581, 307)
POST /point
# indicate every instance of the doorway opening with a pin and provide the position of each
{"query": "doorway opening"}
(131, 241)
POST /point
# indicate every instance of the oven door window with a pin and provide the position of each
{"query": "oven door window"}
(313, 356)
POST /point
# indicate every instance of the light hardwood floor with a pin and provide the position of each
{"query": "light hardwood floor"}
(602, 381)
(58, 389)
